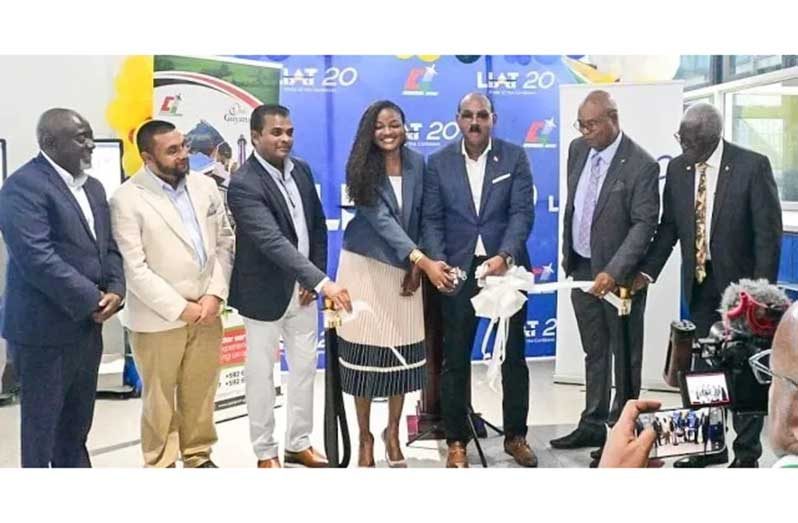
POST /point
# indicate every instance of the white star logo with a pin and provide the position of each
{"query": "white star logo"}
(431, 70)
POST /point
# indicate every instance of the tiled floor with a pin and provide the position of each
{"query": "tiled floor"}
(113, 441)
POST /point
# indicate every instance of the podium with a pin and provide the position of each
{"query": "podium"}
(425, 424)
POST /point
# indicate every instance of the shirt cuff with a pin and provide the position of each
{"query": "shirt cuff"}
(322, 283)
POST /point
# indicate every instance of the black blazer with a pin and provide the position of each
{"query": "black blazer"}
(267, 263)
(56, 268)
(745, 231)
(626, 213)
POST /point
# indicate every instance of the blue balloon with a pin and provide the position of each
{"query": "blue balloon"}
(546, 59)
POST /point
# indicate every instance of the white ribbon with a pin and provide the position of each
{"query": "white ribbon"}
(500, 298)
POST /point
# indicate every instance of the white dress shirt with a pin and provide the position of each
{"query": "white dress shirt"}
(293, 200)
(476, 178)
(396, 183)
(713, 169)
(75, 185)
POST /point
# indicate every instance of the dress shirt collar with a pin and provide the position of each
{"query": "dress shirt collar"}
(73, 182)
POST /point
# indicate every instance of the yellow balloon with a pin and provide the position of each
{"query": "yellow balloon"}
(131, 106)
(429, 57)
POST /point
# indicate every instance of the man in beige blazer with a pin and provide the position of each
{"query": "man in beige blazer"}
(177, 246)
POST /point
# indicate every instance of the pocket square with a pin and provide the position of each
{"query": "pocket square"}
(501, 178)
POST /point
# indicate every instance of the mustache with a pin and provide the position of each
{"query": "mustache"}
(474, 128)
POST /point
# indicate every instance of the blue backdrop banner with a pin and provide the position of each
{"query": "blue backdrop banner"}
(328, 94)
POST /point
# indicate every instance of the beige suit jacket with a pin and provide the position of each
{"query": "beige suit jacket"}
(160, 263)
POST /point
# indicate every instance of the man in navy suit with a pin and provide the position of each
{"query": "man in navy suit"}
(478, 209)
(64, 281)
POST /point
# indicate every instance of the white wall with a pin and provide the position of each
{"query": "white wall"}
(33, 84)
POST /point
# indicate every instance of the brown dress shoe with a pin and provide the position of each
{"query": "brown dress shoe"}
(272, 463)
(519, 449)
(457, 458)
(307, 458)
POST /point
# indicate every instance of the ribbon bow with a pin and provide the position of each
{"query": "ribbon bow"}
(500, 298)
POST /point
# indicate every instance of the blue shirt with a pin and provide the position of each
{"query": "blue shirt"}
(182, 202)
(581, 189)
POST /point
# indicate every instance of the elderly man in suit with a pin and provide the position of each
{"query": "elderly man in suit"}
(610, 218)
(281, 256)
(64, 281)
(722, 205)
(177, 246)
(478, 211)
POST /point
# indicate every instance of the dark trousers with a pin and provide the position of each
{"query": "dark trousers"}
(602, 342)
(459, 328)
(58, 388)
(704, 305)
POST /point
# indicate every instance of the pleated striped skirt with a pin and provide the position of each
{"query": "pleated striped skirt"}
(381, 351)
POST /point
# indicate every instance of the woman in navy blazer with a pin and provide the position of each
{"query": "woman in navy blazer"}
(382, 349)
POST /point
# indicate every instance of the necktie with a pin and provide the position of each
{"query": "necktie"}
(701, 225)
(589, 205)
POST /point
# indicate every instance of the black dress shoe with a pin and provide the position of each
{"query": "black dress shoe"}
(703, 460)
(596, 454)
(207, 465)
(580, 438)
(6, 399)
(744, 464)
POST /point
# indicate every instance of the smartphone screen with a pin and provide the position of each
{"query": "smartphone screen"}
(684, 432)
(704, 389)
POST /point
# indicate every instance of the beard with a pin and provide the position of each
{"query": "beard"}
(177, 171)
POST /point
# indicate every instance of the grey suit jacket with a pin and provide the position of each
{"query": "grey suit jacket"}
(382, 231)
(746, 228)
(626, 213)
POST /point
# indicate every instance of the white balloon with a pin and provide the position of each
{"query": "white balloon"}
(637, 68)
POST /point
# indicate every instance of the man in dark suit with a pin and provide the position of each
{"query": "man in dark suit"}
(281, 256)
(610, 217)
(478, 209)
(64, 280)
(722, 205)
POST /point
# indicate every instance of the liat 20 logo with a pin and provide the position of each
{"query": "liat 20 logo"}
(419, 81)
(540, 135)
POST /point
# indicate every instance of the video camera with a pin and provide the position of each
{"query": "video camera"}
(751, 311)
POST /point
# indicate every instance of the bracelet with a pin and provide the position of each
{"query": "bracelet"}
(415, 256)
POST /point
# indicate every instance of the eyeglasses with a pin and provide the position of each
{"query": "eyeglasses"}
(590, 125)
(481, 115)
(760, 365)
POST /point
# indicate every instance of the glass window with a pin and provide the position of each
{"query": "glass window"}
(765, 119)
(695, 70)
(708, 99)
(742, 65)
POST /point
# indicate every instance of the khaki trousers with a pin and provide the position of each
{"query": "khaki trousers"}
(179, 369)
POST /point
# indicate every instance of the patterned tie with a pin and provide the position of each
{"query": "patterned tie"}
(701, 225)
(589, 205)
